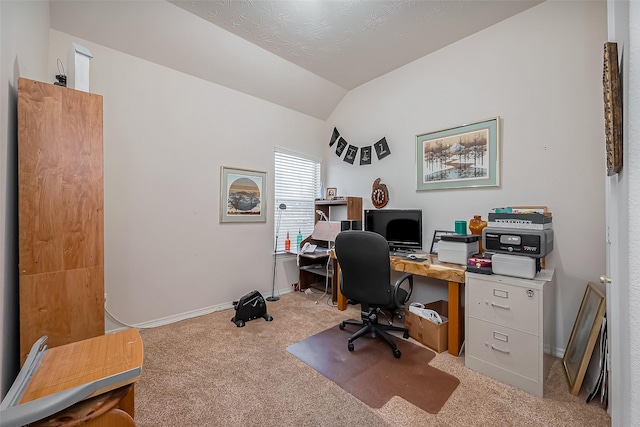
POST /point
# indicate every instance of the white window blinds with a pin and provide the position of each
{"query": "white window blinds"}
(297, 183)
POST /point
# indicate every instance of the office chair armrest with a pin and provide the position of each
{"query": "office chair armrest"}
(398, 284)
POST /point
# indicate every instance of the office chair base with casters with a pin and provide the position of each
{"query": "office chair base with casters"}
(369, 324)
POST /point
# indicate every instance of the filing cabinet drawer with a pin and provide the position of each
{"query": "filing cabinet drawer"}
(512, 350)
(515, 306)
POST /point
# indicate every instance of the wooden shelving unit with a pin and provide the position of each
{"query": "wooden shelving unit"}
(313, 267)
(354, 207)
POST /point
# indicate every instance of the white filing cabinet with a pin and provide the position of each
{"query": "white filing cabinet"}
(510, 328)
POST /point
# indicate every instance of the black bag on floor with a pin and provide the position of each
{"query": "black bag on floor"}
(249, 307)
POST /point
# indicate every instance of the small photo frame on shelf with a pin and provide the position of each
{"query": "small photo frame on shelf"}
(437, 236)
(583, 337)
(460, 157)
(243, 195)
(332, 193)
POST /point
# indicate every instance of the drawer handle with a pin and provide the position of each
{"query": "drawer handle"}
(493, 347)
(505, 307)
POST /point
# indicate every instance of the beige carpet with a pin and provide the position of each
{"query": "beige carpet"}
(207, 372)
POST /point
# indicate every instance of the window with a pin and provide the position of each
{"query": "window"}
(297, 184)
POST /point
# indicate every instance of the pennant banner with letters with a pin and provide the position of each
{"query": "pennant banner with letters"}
(342, 146)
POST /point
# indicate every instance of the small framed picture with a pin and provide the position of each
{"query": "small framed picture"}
(242, 195)
(437, 235)
(331, 193)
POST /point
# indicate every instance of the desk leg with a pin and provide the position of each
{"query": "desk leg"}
(342, 301)
(127, 403)
(456, 324)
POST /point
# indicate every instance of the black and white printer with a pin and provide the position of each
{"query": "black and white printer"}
(518, 241)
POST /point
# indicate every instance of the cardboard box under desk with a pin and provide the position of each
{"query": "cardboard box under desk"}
(433, 335)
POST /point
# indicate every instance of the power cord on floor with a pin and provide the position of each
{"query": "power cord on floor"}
(326, 280)
(120, 322)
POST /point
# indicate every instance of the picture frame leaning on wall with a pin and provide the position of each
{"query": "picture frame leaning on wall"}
(583, 337)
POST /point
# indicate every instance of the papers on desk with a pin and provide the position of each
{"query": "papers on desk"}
(414, 256)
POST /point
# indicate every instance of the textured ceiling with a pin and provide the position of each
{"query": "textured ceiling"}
(304, 55)
(351, 42)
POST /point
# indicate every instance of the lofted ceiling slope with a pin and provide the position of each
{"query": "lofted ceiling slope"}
(303, 54)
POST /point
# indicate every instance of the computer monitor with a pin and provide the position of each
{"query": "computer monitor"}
(401, 227)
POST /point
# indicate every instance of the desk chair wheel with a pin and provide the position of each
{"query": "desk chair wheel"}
(350, 346)
(405, 335)
(396, 353)
(341, 326)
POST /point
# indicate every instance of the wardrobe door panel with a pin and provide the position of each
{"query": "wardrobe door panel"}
(61, 214)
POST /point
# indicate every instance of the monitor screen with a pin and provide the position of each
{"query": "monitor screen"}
(401, 227)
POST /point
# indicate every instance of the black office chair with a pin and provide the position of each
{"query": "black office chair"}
(366, 274)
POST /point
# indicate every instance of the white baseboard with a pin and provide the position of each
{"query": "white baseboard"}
(186, 315)
(555, 351)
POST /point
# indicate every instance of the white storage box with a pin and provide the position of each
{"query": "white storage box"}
(456, 252)
(514, 265)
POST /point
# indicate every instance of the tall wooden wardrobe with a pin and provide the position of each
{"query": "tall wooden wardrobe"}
(60, 202)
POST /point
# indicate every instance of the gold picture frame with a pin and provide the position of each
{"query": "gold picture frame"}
(583, 337)
(612, 108)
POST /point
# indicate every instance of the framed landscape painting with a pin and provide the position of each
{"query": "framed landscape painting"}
(460, 157)
(242, 195)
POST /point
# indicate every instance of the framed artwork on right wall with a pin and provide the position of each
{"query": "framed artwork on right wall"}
(460, 157)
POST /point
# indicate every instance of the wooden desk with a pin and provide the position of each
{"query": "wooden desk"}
(454, 274)
(105, 366)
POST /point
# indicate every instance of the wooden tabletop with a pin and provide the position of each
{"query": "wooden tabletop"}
(430, 267)
(86, 361)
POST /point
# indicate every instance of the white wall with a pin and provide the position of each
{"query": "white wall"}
(24, 30)
(631, 393)
(541, 72)
(617, 211)
(166, 134)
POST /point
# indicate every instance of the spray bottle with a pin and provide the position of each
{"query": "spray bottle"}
(299, 240)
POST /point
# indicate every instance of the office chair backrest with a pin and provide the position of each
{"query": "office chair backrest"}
(364, 262)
